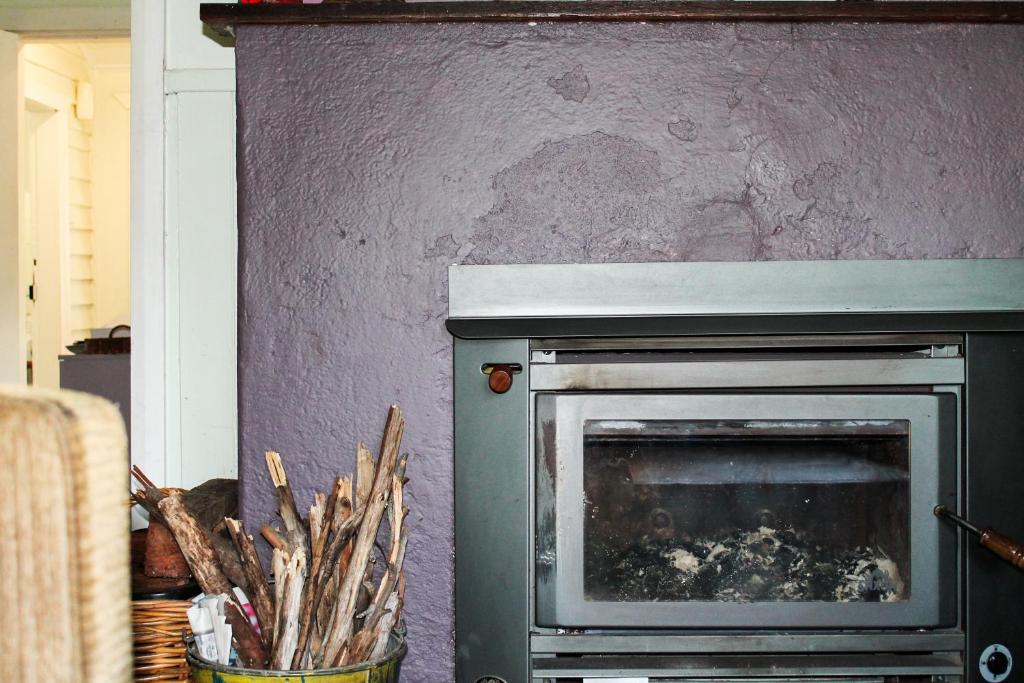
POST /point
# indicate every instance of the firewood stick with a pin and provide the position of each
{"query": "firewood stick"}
(344, 508)
(202, 559)
(340, 540)
(148, 505)
(363, 642)
(365, 598)
(364, 475)
(385, 626)
(330, 580)
(396, 510)
(230, 562)
(316, 518)
(396, 514)
(342, 513)
(295, 529)
(250, 650)
(401, 596)
(288, 628)
(327, 525)
(149, 498)
(319, 548)
(260, 593)
(319, 522)
(273, 537)
(141, 477)
(315, 648)
(348, 594)
(195, 546)
(390, 579)
(277, 564)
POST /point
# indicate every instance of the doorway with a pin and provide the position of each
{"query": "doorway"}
(42, 243)
(73, 199)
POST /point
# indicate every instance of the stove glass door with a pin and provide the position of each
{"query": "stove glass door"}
(746, 511)
(783, 510)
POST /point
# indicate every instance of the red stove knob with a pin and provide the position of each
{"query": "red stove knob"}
(500, 379)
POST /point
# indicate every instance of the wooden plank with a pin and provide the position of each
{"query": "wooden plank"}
(79, 164)
(80, 243)
(80, 192)
(81, 320)
(80, 298)
(79, 140)
(80, 217)
(81, 125)
(223, 18)
(80, 267)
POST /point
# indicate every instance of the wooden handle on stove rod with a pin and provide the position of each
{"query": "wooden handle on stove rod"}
(1003, 546)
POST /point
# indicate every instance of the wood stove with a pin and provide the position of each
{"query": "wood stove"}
(744, 510)
(726, 472)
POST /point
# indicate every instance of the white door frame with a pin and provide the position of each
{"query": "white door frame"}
(148, 305)
(12, 300)
(51, 240)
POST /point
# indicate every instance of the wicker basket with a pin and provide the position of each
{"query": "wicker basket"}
(156, 636)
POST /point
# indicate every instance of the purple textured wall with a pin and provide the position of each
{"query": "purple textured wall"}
(371, 157)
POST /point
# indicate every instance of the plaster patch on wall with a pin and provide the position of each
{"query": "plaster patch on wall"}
(573, 86)
(734, 99)
(444, 246)
(822, 179)
(683, 129)
(601, 197)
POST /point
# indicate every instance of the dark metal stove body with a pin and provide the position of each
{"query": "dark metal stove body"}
(730, 481)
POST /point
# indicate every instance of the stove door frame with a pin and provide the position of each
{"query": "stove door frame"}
(559, 420)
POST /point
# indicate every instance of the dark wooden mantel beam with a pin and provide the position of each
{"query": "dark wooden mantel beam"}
(223, 18)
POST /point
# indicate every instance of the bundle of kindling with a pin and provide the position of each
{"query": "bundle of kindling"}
(333, 601)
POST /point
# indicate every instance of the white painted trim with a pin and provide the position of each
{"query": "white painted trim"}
(201, 285)
(12, 302)
(199, 80)
(147, 231)
(66, 20)
(172, 304)
(33, 89)
(52, 313)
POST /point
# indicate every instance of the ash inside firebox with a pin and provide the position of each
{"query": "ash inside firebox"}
(760, 565)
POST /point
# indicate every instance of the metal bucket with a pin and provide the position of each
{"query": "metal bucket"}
(383, 670)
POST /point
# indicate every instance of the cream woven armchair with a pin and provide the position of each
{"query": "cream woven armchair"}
(64, 558)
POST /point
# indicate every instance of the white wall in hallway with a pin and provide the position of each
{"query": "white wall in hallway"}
(56, 211)
(111, 179)
(75, 199)
(31, 17)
